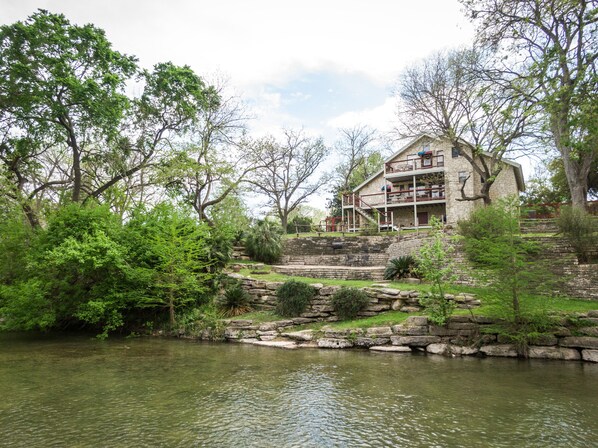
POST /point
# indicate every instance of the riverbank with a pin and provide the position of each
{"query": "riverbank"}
(574, 339)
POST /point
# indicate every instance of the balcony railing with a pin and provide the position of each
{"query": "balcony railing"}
(422, 163)
(366, 201)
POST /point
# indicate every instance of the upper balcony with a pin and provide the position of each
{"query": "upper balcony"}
(395, 198)
(402, 168)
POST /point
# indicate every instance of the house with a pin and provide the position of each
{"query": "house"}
(423, 179)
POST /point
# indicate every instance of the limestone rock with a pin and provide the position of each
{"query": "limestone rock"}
(438, 349)
(268, 326)
(416, 321)
(236, 333)
(379, 331)
(334, 343)
(369, 342)
(502, 350)
(276, 344)
(405, 330)
(579, 341)
(593, 313)
(589, 331)
(567, 354)
(414, 341)
(397, 304)
(589, 355)
(303, 335)
(390, 349)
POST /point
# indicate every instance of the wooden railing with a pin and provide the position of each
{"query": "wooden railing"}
(395, 197)
(422, 163)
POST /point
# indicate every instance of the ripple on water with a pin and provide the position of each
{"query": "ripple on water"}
(175, 393)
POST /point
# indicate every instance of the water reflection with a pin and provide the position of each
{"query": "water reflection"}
(150, 392)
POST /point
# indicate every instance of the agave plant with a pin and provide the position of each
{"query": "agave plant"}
(401, 267)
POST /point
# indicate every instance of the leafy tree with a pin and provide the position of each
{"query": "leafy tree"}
(454, 95)
(67, 129)
(550, 46)
(581, 230)
(434, 265)
(287, 170)
(503, 259)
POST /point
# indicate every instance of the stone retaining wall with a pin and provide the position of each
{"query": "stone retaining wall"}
(462, 336)
(263, 298)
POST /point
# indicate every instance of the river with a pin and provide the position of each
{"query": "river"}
(75, 391)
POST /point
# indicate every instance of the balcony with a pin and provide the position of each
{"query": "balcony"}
(401, 167)
(366, 201)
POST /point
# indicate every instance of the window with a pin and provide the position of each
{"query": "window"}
(455, 152)
(463, 176)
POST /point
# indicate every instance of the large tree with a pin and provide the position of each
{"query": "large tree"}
(66, 124)
(551, 45)
(452, 95)
(289, 174)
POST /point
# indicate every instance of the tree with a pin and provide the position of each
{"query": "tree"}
(452, 95)
(66, 125)
(216, 157)
(551, 46)
(287, 170)
(501, 257)
(354, 147)
(434, 265)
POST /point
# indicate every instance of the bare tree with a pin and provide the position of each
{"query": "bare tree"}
(452, 95)
(288, 167)
(552, 46)
(354, 146)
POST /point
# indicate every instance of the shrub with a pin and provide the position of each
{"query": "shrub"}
(263, 243)
(402, 267)
(581, 230)
(235, 300)
(293, 298)
(348, 302)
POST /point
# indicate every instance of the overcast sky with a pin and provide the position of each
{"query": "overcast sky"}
(317, 64)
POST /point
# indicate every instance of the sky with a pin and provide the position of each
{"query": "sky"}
(312, 64)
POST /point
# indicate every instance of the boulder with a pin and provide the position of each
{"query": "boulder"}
(277, 344)
(539, 352)
(579, 341)
(334, 343)
(502, 350)
(379, 332)
(416, 321)
(397, 304)
(268, 326)
(589, 355)
(369, 342)
(405, 330)
(303, 335)
(414, 341)
(390, 349)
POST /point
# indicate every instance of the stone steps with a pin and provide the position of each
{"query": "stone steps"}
(373, 273)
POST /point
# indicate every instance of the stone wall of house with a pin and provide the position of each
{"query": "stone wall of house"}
(505, 184)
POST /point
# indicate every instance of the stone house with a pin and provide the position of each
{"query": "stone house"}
(423, 179)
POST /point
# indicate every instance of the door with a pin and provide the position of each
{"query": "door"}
(422, 218)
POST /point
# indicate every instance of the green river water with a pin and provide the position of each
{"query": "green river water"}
(74, 391)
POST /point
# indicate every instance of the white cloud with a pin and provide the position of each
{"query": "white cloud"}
(382, 117)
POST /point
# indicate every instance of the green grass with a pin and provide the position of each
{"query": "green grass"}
(381, 320)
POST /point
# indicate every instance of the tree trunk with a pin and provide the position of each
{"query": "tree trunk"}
(577, 178)
(171, 310)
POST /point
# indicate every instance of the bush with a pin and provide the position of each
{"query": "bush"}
(581, 230)
(348, 302)
(293, 298)
(263, 243)
(402, 267)
(235, 300)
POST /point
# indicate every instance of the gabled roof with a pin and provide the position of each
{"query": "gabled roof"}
(516, 166)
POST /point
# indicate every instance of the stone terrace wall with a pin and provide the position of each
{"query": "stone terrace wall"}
(573, 279)
(263, 298)
(345, 251)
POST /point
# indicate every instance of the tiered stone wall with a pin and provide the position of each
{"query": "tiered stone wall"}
(572, 279)
(263, 298)
(462, 336)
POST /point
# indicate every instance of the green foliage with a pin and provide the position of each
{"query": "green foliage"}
(299, 224)
(581, 230)
(348, 302)
(434, 266)
(403, 267)
(503, 259)
(235, 300)
(293, 298)
(263, 242)
(88, 269)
